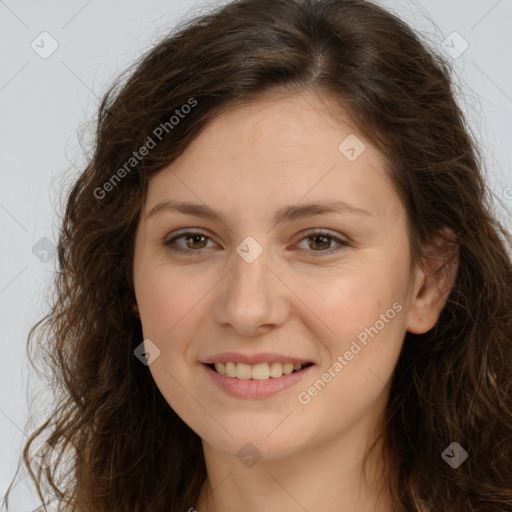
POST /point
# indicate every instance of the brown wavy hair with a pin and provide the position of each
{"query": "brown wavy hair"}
(121, 446)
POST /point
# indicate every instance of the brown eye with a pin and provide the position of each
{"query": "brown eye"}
(320, 244)
(193, 242)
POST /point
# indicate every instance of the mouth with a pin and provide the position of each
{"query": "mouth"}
(256, 381)
(259, 372)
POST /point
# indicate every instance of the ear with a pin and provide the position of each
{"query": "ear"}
(435, 277)
(135, 311)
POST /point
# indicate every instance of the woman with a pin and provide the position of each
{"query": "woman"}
(281, 286)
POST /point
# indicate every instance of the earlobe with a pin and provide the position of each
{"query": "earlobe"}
(135, 311)
(435, 277)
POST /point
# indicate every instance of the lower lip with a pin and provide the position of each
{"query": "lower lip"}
(255, 389)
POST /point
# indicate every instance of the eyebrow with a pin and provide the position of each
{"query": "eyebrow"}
(285, 214)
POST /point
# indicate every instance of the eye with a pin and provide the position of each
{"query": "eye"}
(194, 240)
(320, 240)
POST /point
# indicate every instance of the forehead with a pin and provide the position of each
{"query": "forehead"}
(278, 151)
(282, 127)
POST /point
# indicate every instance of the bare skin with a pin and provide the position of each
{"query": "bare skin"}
(249, 163)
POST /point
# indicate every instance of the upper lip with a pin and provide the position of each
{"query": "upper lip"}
(252, 359)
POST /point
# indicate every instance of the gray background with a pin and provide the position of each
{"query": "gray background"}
(44, 102)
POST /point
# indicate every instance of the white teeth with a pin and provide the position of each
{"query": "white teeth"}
(221, 368)
(276, 369)
(231, 369)
(288, 368)
(261, 371)
(243, 371)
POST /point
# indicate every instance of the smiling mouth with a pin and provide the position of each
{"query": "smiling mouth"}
(262, 371)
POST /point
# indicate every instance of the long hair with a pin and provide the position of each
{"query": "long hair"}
(122, 446)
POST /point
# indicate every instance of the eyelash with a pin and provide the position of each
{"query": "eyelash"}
(315, 233)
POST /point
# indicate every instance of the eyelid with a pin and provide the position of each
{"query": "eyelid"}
(186, 231)
(342, 243)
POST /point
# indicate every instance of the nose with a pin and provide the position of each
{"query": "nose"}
(252, 299)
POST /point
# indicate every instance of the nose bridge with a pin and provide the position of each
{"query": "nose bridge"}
(249, 281)
(251, 296)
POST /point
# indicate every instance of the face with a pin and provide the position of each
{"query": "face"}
(295, 253)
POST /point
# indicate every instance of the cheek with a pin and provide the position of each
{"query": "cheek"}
(171, 303)
(167, 297)
(360, 324)
(361, 346)
(348, 300)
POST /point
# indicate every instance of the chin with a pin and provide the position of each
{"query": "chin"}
(258, 444)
